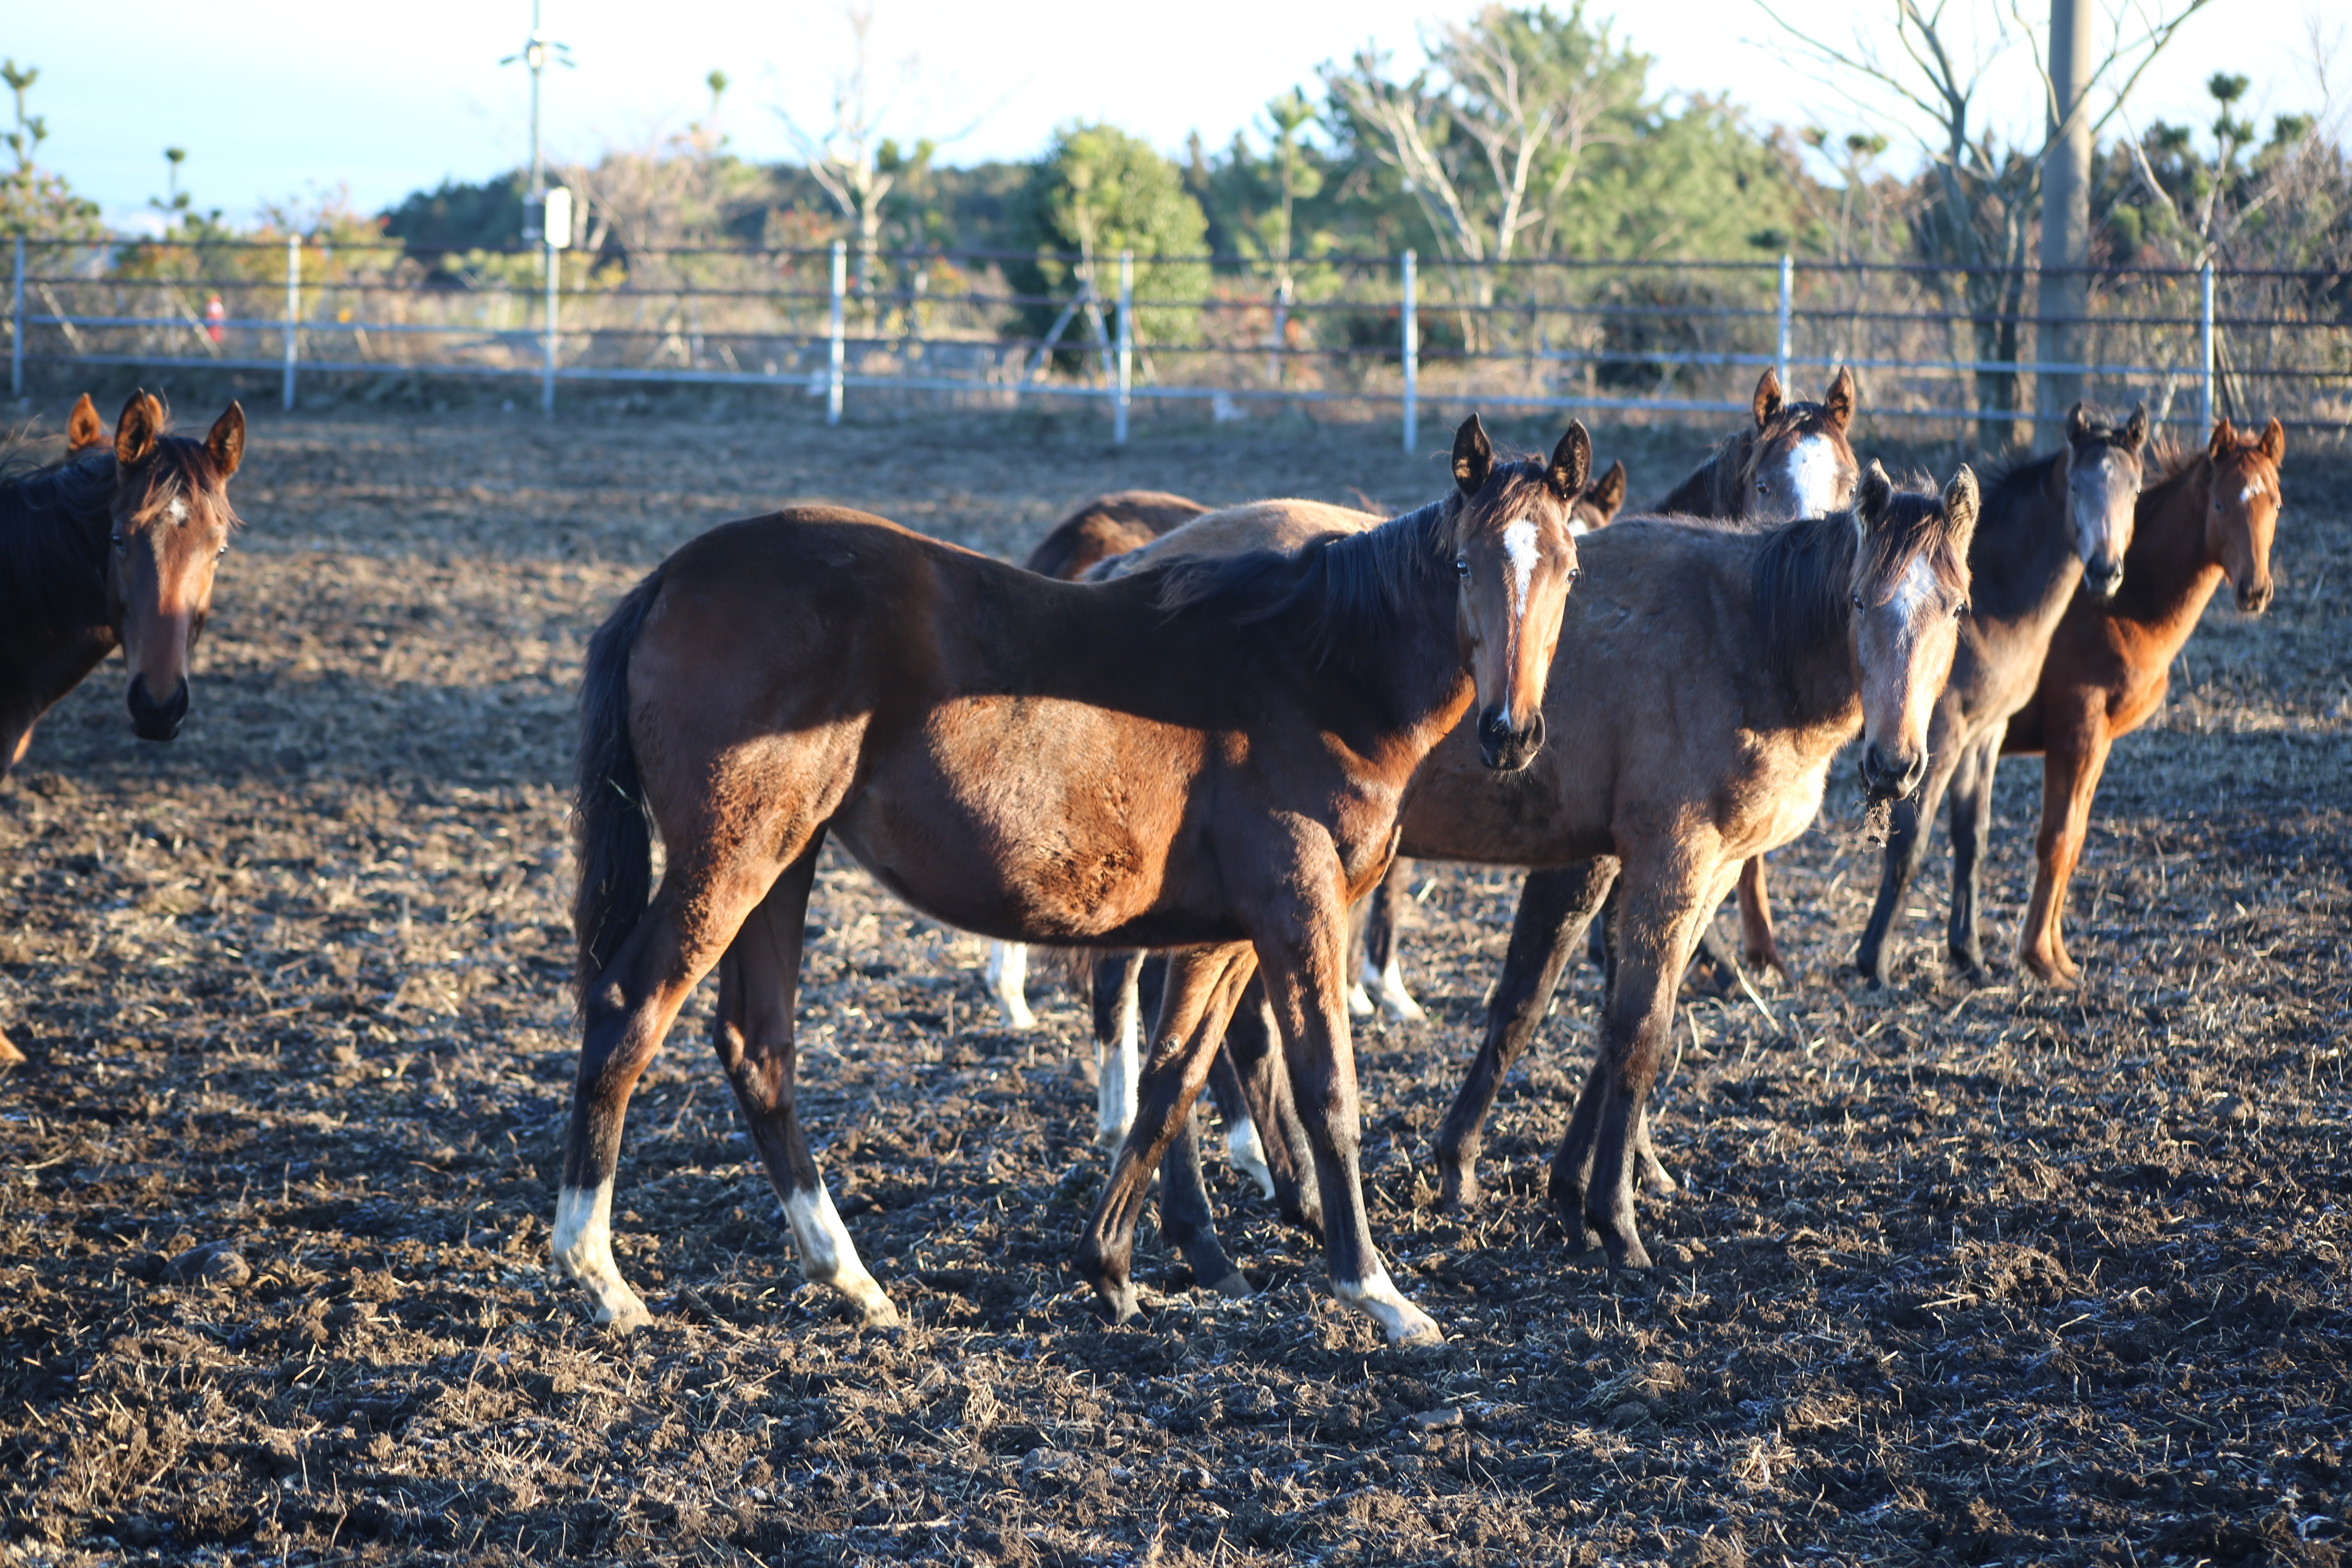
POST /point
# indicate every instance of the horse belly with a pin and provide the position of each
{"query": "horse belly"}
(1029, 819)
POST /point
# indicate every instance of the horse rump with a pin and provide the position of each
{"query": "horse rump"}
(612, 833)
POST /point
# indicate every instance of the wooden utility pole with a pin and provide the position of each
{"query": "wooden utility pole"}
(2065, 216)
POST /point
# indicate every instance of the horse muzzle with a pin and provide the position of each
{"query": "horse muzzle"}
(153, 720)
(2103, 575)
(2254, 597)
(1504, 749)
(1891, 778)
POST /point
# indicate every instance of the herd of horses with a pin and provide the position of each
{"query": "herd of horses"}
(1201, 747)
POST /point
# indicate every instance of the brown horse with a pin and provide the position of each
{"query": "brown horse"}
(1210, 755)
(1794, 461)
(1771, 648)
(2211, 516)
(2048, 525)
(110, 548)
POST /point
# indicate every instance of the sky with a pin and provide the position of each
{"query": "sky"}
(275, 99)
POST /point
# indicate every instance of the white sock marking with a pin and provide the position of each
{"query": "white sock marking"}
(829, 1257)
(583, 1249)
(1117, 1068)
(1247, 1152)
(1378, 1298)
(1008, 982)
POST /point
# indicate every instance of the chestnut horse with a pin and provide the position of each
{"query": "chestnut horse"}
(1793, 461)
(1783, 643)
(2049, 524)
(2210, 515)
(1210, 755)
(111, 548)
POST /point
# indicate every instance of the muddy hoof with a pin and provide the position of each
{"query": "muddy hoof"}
(625, 1319)
(1625, 1251)
(1235, 1285)
(1117, 1302)
(1457, 1189)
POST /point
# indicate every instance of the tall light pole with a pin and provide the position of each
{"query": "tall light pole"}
(536, 52)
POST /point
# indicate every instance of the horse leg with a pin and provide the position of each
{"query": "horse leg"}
(1303, 958)
(1264, 1082)
(1178, 1067)
(1360, 918)
(1554, 907)
(753, 1034)
(1756, 943)
(1906, 850)
(1008, 982)
(1971, 793)
(625, 1016)
(1119, 1027)
(1187, 1219)
(1381, 971)
(1593, 1173)
(1244, 1150)
(2076, 754)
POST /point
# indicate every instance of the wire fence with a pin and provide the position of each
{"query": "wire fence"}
(1935, 346)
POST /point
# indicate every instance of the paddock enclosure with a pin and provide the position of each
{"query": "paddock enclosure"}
(1955, 1275)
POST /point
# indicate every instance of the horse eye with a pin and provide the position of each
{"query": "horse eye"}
(1574, 573)
(122, 545)
(1763, 489)
(1856, 596)
(1461, 565)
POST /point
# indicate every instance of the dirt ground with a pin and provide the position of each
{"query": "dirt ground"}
(2001, 1274)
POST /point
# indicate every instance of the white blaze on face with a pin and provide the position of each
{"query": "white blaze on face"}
(177, 512)
(2250, 492)
(1813, 477)
(1519, 545)
(1918, 586)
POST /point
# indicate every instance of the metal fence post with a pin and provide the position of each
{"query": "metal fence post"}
(1787, 277)
(1126, 345)
(547, 368)
(1411, 348)
(833, 364)
(2204, 337)
(293, 313)
(17, 327)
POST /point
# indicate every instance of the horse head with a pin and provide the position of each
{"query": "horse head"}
(1908, 588)
(2242, 514)
(1514, 556)
(1799, 462)
(2101, 472)
(1601, 502)
(172, 520)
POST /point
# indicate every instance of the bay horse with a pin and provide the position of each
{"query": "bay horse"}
(1211, 755)
(1793, 460)
(2210, 515)
(1772, 646)
(2050, 525)
(113, 547)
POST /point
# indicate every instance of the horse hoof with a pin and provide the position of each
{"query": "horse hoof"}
(1626, 1253)
(1360, 1001)
(622, 1317)
(1235, 1285)
(1117, 1302)
(1457, 1188)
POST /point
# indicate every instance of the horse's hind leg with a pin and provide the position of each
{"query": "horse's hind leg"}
(754, 1034)
(626, 1015)
(1244, 1148)
(1119, 1032)
(1253, 1052)
(1755, 942)
(1555, 906)
(1382, 972)
(1008, 982)
(1186, 1218)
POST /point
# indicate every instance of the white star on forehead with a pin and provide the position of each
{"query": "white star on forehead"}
(1519, 545)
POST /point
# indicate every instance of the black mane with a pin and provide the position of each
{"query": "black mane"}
(54, 523)
(1337, 595)
(1802, 580)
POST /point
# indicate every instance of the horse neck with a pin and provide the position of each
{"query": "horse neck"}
(1813, 687)
(52, 560)
(2170, 572)
(2019, 560)
(1415, 663)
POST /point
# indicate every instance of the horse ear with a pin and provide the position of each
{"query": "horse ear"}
(1873, 496)
(2224, 441)
(1473, 456)
(226, 443)
(1768, 396)
(1839, 400)
(1571, 462)
(2136, 427)
(2274, 440)
(84, 429)
(2078, 425)
(1607, 493)
(135, 432)
(1961, 507)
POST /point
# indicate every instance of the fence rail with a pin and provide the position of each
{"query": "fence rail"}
(1940, 345)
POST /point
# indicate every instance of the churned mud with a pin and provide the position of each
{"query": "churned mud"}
(1970, 1276)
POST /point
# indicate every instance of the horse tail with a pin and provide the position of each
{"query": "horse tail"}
(612, 833)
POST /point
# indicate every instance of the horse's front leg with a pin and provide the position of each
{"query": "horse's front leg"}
(1186, 1218)
(1668, 896)
(1756, 945)
(754, 1034)
(1906, 850)
(1555, 907)
(1382, 972)
(1971, 794)
(1254, 1051)
(2076, 754)
(1303, 959)
(1178, 1066)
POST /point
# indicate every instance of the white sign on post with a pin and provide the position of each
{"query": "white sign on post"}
(559, 217)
